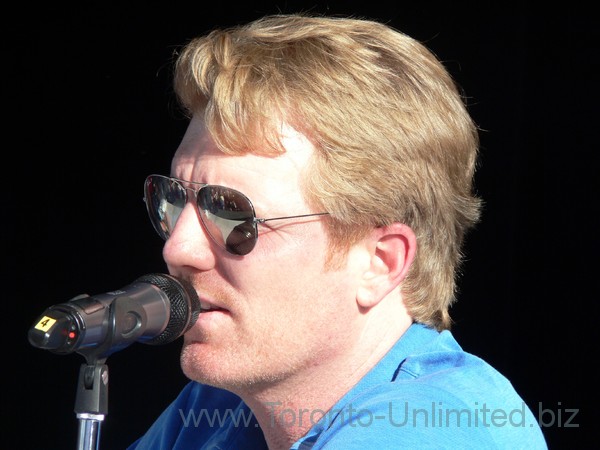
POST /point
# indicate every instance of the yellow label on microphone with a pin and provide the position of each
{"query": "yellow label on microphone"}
(45, 324)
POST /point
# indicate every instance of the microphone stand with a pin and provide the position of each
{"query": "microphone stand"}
(91, 401)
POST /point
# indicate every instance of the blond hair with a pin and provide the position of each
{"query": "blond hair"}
(394, 140)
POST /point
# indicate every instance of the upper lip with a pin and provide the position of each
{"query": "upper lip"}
(207, 301)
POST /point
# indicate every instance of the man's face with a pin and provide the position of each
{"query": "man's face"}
(277, 314)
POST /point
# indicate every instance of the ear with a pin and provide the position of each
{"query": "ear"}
(392, 250)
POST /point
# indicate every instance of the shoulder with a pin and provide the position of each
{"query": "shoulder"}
(419, 415)
(438, 396)
(426, 414)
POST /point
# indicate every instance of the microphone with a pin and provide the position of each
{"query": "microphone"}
(155, 309)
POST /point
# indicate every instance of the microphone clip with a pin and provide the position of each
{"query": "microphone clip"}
(126, 321)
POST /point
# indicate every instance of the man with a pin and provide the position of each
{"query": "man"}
(318, 204)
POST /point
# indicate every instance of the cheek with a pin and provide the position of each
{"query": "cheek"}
(296, 270)
(298, 298)
(284, 280)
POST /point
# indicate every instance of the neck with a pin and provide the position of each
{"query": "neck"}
(288, 409)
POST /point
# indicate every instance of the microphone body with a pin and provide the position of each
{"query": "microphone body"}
(155, 309)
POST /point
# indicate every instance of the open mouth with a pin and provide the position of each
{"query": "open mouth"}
(206, 307)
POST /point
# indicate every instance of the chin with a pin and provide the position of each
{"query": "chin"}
(209, 366)
(221, 369)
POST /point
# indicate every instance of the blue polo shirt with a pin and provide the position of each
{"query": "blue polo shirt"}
(425, 393)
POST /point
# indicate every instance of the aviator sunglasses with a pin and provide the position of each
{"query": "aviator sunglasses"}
(227, 215)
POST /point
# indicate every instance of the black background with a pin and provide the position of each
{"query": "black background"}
(88, 113)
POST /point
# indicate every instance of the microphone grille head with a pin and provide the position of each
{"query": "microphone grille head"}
(185, 305)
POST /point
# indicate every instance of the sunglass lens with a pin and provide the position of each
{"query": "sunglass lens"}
(165, 199)
(242, 238)
(228, 216)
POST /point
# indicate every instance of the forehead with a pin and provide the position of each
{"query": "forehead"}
(199, 159)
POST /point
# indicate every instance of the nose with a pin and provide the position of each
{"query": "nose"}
(189, 247)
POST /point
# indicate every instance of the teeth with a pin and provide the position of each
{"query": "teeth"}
(206, 307)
